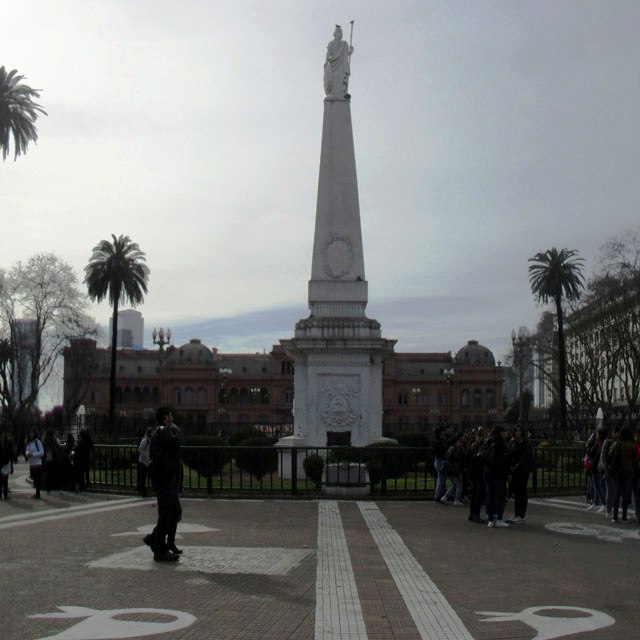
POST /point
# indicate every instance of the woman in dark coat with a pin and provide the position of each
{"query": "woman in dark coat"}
(521, 464)
(496, 475)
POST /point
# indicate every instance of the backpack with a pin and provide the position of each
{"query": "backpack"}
(602, 460)
(614, 460)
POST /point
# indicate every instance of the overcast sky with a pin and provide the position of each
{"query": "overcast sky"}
(484, 132)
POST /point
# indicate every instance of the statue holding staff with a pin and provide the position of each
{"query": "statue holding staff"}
(337, 67)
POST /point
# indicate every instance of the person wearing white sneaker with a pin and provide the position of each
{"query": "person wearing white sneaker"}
(496, 472)
(501, 524)
(521, 461)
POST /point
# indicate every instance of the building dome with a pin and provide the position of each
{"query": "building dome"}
(475, 355)
(194, 352)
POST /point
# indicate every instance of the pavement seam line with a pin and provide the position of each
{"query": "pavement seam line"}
(431, 612)
(338, 610)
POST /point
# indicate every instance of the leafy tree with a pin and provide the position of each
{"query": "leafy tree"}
(80, 360)
(604, 349)
(41, 309)
(18, 113)
(116, 271)
(556, 275)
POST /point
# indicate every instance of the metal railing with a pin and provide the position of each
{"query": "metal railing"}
(315, 471)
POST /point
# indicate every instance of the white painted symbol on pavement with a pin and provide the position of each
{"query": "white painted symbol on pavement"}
(183, 527)
(601, 532)
(104, 625)
(552, 626)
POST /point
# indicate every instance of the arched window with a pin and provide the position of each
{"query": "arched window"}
(244, 396)
(423, 399)
(403, 398)
(477, 399)
(188, 396)
(490, 399)
(465, 398)
(202, 396)
(177, 396)
(288, 396)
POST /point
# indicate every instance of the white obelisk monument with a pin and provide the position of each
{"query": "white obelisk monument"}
(337, 351)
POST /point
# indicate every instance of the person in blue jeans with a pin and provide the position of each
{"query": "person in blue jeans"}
(622, 462)
(440, 446)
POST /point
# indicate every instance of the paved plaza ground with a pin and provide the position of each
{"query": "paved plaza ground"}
(74, 567)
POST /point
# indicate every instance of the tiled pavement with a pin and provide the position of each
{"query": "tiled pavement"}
(73, 567)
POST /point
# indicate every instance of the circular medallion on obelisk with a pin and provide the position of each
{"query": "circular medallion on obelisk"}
(338, 258)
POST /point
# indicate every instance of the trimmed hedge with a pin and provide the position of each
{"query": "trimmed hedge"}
(258, 457)
(313, 466)
(207, 461)
(244, 434)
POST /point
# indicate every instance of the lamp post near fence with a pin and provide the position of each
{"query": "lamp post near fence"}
(448, 376)
(162, 338)
(520, 342)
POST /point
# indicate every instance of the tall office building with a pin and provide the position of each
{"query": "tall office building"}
(130, 329)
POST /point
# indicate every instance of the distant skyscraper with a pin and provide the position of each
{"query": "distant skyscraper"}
(130, 329)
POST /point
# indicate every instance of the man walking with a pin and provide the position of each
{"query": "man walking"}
(165, 472)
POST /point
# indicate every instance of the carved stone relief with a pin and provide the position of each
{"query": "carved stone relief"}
(339, 402)
(338, 257)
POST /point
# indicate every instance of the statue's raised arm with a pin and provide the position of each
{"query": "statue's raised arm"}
(337, 67)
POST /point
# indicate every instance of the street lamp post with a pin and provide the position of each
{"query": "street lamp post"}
(162, 338)
(520, 342)
(448, 376)
(416, 391)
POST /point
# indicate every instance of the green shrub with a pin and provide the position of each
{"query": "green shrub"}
(207, 459)
(385, 456)
(244, 434)
(257, 456)
(420, 442)
(313, 466)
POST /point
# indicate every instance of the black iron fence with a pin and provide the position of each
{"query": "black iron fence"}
(318, 471)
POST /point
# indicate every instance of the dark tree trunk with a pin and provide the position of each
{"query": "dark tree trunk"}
(112, 379)
(562, 366)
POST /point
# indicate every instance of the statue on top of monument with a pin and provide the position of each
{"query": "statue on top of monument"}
(337, 67)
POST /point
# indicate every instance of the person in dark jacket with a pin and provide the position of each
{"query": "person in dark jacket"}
(621, 466)
(496, 474)
(521, 464)
(475, 474)
(82, 459)
(166, 472)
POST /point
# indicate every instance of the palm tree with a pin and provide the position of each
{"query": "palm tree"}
(18, 113)
(557, 276)
(116, 271)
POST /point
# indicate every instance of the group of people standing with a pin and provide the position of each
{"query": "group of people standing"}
(485, 466)
(612, 466)
(56, 467)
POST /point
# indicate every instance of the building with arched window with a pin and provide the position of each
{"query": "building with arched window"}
(420, 390)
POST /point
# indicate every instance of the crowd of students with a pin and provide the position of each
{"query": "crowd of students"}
(485, 466)
(52, 466)
(612, 465)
